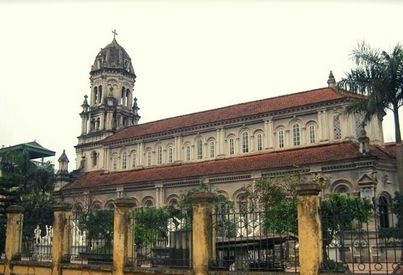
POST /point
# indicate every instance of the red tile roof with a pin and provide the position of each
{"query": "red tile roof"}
(232, 112)
(267, 161)
(390, 147)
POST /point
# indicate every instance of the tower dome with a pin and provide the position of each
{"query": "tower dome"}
(113, 56)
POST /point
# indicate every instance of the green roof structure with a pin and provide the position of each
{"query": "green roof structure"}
(34, 149)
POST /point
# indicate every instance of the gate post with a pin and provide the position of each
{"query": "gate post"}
(202, 236)
(15, 219)
(309, 229)
(61, 236)
(122, 235)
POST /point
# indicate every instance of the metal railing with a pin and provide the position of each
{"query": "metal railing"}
(162, 237)
(37, 245)
(373, 246)
(249, 240)
(91, 238)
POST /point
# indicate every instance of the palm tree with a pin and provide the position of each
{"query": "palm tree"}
(378, 76)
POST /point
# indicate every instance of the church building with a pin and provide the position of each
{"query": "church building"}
(227, 148)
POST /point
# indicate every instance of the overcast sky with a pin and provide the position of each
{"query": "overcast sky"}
(188, 56)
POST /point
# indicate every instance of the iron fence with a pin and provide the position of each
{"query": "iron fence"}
(253, 240)
(36, 245)
(91, 238)
(162, 237)
(371, 246)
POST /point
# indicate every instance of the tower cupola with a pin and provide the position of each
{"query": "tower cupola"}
(110, 106)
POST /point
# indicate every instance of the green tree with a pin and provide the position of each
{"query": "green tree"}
(378, 76)
(277, 196)
(29, 184)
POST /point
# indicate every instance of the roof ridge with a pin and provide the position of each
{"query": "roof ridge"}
(228, 106)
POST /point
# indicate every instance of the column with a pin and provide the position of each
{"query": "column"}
(320, 126)
(202, 235)
(84, 122)
(15, 218)
(270, 135)
(122, 234)
(140, 154)
(61, 236)
(266, 134)
(309, 229)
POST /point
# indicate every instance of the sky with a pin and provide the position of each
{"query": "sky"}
(188, 56)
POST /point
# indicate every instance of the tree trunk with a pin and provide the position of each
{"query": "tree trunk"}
(398, 137)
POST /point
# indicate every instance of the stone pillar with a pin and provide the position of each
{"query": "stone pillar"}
(309, 229)
(61, 236)
(122, 234)
(15, 219)
(202, 235)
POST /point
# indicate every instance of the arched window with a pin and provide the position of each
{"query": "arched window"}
(188, 153)
(159, 155)
(127, 97)
(122, 96)
(148, 158)
(95, 95)
(336, 127)
(173, 202)
(342, 189)
(296, 136)
(384, 211)
(98, 124)
(312, 134)
(259, 142)
(212, 148)
(100, 94)
(124, 160)
(170, 154)
(199, 146)
(281, 139)
(148, 203)
(242, 204)
(231, 146)
(94, 158)
(92, 125)
(245, 142)
(134, 159)
(115, 162)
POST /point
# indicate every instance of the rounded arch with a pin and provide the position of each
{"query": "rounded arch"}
(311, 122)
(343, 186)
(172, 200)
(223, 193)
(109, 204)
(96, 205)
(237, 193)
(258, 131)
(295, 120)
(242, 130)
(279, 127)
(383, 207)
(148, 201)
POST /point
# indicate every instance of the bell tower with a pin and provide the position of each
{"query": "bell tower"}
(111, 104)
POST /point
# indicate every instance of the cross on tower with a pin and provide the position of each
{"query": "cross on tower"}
(114, 33)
